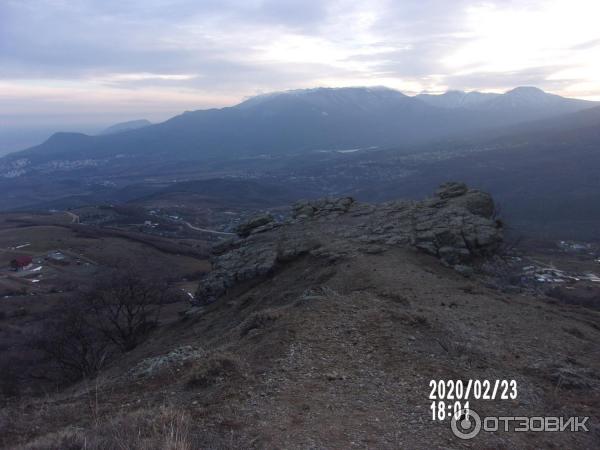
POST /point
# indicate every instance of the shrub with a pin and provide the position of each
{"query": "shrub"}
(215, 369)
(115, 316)
(259, 319)
(74, 345)
(126, 306)
(146, 429)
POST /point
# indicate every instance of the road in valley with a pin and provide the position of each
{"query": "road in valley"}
(205, 230)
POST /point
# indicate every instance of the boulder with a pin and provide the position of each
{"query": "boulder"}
(459, 226)
(254, 223)
(476, 202)
(322, 207)
(451, 189)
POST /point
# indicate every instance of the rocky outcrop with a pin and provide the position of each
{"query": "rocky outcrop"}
(456, 225)
(237, 264)
(256, 224)
(327, 206)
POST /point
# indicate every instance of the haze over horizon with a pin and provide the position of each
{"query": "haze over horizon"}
(95, 63)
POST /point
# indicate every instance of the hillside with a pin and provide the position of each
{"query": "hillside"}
(325, 332)
(126, 126)
(304, 120)
(542, 173)
(372, 143)
(522, 103)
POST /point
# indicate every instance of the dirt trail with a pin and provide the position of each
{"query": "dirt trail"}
(205, 230)
(74, 217)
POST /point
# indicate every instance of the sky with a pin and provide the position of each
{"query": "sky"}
(79, 65)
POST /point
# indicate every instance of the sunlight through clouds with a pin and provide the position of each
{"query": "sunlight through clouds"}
(191, 55)
(510, 39)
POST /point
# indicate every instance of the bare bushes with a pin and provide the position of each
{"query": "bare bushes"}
(73, 345)
(113, 317)
(215, 369)
(148, 429)
(258, 320)
(125, 307)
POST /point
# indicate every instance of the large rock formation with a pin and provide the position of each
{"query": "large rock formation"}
(456, 225)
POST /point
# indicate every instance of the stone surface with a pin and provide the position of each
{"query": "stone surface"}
(325, 206)
(455, 225)
(259, 223)
(452, 189)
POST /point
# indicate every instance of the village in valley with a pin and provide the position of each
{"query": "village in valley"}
(27, 270)
(40, 255)
(47, 254)
(35, 259)
(50, 260)
(568, 271)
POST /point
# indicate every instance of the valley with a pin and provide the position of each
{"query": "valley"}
(547, 145)
(336, 304)
(299, 225)
(65, 260)
(187, 271)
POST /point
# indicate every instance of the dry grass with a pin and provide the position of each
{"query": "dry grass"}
(163, 428)
(215, 369)
(258, 320)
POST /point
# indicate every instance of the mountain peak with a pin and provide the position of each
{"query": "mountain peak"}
(323, 92)
(456, 99)
(327, 100)
(528, 90)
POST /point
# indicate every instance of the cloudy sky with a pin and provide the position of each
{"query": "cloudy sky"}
(74, 64)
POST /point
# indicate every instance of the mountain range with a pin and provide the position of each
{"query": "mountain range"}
(371, 142)
(313, 119)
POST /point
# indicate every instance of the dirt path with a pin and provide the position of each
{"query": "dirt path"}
(205, 230)
(74, 217)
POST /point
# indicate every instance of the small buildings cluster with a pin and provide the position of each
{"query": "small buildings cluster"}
(22, 263)
(26, 262)
(57, 257)
(575, 247)
(548, 275)
(553, 275)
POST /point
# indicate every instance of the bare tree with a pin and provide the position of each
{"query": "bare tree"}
(126, 306)
(114, 316)
(74, 345)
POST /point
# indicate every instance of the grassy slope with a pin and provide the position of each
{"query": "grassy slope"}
(336, 355)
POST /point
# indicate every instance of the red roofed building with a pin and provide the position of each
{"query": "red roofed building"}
(21, 262)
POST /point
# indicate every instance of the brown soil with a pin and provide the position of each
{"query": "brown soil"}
(335, 355)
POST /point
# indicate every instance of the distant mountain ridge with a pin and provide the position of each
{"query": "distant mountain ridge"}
(127, 126)
(313, 119)
(280, 132)
(529, 103)
(457, 99)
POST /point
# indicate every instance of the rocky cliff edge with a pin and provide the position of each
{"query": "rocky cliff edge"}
(457, 225)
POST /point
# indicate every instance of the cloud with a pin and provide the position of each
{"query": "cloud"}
(503, 81)
(153, 57)
(587, 45)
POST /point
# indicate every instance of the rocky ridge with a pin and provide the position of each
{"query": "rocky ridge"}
(456, 225)
(327, 332)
